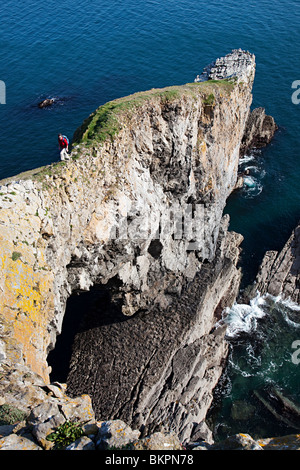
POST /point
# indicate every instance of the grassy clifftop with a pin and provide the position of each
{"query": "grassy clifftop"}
(104, 123)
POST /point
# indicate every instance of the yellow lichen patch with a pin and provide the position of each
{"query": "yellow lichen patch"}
(289, 442)
(25, 299)
(203, 147)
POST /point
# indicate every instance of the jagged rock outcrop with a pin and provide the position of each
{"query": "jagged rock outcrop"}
(58, 422)
(39, 416)
(279, 272)
(137, 211)
(260, 130)
(238, 65)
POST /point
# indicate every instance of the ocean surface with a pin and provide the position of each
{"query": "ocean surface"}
(86, 53)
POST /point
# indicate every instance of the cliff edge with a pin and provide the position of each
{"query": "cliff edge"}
(138, 212)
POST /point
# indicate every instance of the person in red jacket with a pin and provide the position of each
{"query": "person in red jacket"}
(63, 147)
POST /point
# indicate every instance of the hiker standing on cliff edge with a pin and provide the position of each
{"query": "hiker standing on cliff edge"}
(63, 143)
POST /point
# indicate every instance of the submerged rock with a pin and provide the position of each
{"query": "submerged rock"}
(46, 103)
(281, 406)
(242, 410)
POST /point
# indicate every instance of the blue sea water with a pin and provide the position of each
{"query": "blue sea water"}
(85, 53)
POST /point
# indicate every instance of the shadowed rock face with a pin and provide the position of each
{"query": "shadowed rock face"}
(140, 204)
(279, 272)
(156, 369)
(259, 131)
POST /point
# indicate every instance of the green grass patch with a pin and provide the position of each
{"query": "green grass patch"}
(210, 100)
(65, 434)
(226, 85)
(10, 415)
(106, 122)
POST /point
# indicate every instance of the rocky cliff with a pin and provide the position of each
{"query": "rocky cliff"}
(279, 272)
(136, 212)
(259, 131)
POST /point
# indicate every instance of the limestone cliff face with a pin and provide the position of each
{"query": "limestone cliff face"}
(137, 207)
(279, 272)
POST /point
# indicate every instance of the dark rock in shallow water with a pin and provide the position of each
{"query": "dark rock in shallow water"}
(259, 130)
(45, 103)
(282, 407)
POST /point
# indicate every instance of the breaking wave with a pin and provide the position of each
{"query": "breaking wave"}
(243, 317)
(252, 174)
(262, 337)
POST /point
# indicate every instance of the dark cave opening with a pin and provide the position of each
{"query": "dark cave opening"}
(155, 248)
(101, 305)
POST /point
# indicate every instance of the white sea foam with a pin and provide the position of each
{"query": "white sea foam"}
(288, 308)
(249, 181)
(246, 159)
(290, 304)
(251, 188)
(250, 166)
(243, 317)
